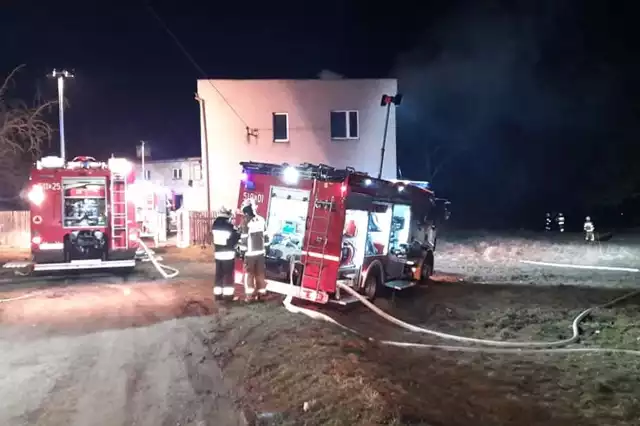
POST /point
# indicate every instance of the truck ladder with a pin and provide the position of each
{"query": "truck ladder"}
(317, 239)
(119, 212)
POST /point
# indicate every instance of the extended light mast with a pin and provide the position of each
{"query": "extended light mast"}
(61, 76)
(387, 101)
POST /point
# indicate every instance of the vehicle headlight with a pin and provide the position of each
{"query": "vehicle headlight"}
(36, 195)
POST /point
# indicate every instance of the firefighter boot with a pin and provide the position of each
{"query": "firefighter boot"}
(249, 287)
(260, 278)
(228, 285)
(217, 292)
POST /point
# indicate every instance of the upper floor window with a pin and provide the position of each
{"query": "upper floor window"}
(177, 174)
(345, 125)
(147, 174)
(280, 127)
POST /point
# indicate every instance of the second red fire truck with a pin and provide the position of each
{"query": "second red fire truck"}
(81, 215)
(330, 226)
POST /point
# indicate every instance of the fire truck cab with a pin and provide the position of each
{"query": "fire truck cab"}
(81, 215)
(328, 226)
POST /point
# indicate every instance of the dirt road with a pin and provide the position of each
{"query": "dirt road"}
(112, 355)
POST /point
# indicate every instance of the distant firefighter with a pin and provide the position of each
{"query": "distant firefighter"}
(589, 230)
(560, 221)
(547, 222)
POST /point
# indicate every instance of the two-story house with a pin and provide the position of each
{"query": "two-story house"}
(175, 174)
(338, 122)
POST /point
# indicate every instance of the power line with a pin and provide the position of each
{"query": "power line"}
(191, 59)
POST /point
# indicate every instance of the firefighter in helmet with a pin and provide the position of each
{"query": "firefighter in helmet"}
(589, 230)
(560, 221)
(253, 243)
(547, 222)
(225, 239)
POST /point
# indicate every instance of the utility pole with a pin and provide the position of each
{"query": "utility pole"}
(142, 154)
(61, 76)
(205, 154)
(387, 101)
(143, 151)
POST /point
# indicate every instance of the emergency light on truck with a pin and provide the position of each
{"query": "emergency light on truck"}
(290, 175)
(36, 194)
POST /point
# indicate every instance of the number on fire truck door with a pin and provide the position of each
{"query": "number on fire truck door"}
(257, 198)
(51, 186)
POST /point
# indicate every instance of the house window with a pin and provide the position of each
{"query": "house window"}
(147, 174)
(280, 127)
(177, 174)
(345, 125)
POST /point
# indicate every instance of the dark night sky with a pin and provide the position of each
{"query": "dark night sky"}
(537, 94)
(132, 81)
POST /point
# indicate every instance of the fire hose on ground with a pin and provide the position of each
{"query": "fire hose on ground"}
(482, 345)
(167, 272)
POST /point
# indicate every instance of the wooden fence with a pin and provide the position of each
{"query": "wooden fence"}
(200, 228)
(15, 228)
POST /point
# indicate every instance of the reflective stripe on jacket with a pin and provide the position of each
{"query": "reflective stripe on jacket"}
(253, 237)
(225, 238)
(224, 255)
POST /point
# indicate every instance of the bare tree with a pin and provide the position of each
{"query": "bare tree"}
(23, 132)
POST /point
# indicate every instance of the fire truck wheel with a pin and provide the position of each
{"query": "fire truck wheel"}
(372, 284)
(427, 268)
(125, 273)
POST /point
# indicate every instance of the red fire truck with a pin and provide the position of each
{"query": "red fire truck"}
(327, 226)
(81, 216)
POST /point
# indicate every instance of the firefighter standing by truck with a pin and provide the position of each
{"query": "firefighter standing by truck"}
(252, 244)
(225, 240)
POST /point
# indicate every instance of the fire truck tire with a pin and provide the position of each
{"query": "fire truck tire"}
(427, 268)
(373, 283)
(125, 273)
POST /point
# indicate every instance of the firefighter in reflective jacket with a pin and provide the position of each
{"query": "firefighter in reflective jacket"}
(589, 230)
(252, 243)
(225, 239)
(560, 221)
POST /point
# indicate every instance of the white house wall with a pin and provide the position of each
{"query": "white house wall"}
(308, 104)
(161, 173)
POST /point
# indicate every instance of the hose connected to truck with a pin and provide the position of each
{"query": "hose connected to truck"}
(482, 345)
(167, 272)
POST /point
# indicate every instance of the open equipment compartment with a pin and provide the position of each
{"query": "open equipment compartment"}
(286, 226)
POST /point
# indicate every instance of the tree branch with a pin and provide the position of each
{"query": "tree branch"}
(23, 132)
